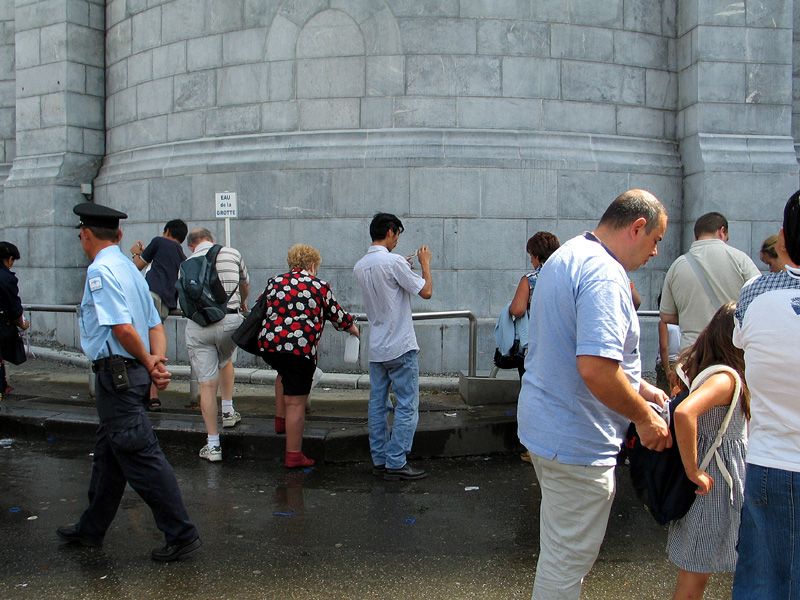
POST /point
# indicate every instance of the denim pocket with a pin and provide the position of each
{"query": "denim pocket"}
(756, 485)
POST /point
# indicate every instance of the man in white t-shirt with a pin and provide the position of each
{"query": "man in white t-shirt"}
(767, 328)
(387, 284)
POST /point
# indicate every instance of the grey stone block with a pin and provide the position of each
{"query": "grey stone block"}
(499, 113)
(452, 76)
(424, 8)
(641, 50)
(490, 290)
(463, 251)
(579, 193)
(235, 119)
(580, 12)
(644, 122)
(27, 49)
(7, 123)
(144, 132)
(97, 17)
(358, 192)
(737, 43)
(83, 111)
(358, 10)
(39, 14)
(116, 11)
(381, 34)
(769, 84)
(41, 141)
(424, 112)
(644, 15)
(118, 42)
(340, 113)
(259, 13)
(583, 43)
(53, 43)
(39, 80)
(244, 46)
(377, 113)
(194, 90)
(170, 198)
(279, 116)
(154, 97)
(146, 30)
(514, 38)
(531, 77)
(495, 9)
(281, 80)
(140, 67)
(204, 53)
(772, 13)
(385, 75)
(225, 15)
(602, 83)
(445, 192)
(95, 81)
(300, 12)
(518, 193)
(117, 77)
(281, 39)
(669, 18)
(285, 194)
(124, 106)
(185, 125)
(181, 20)
(169, 60)
(438, 36)
(330, 77)
(28, 115)
(330, 34)
(94, 142)
(75, 77)
(242, 84)
(721, 82)
(749, 119)
(661, 89)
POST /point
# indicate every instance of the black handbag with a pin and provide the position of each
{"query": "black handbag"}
(12, 348)
(246, 335)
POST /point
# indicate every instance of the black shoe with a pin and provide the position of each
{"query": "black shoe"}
(407, 472)
(172, 552)
(378, 470)
(72, 535)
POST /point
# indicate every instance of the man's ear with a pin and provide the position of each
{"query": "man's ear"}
(638, 226)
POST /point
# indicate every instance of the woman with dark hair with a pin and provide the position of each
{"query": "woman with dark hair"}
(10, 304)
(298, 304)
(704, 540)
(539, 247)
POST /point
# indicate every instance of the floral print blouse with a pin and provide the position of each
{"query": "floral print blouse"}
(297, 306)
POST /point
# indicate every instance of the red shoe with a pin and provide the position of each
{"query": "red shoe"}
(280, 425)
(297, 459)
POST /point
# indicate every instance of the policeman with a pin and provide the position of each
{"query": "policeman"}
(121, 333)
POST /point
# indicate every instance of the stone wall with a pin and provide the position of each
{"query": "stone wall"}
(479, 122)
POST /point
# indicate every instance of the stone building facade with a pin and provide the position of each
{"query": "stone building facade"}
(478, 122)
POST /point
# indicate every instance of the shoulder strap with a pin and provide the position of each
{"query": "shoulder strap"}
(701, 275)
(737, 391)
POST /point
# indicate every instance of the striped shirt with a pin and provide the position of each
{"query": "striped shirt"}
(231, 270)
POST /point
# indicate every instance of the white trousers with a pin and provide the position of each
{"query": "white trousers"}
(576, 502)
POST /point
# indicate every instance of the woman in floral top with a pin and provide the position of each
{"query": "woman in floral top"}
(297, 306)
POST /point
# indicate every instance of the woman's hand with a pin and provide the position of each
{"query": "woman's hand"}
(354, 330)
(703, 481)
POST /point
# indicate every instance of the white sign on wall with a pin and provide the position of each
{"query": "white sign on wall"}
(225, 205)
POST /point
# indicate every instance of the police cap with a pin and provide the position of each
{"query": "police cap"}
(97, 215)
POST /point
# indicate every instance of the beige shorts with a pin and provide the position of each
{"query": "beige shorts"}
(211, 348)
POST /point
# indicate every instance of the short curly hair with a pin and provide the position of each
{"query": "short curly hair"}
(303, 256)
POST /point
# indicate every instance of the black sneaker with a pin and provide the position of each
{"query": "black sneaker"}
(172, 552)
(407, 472)
(72, 535)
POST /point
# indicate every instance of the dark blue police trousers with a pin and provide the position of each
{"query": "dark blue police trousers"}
(127, 451)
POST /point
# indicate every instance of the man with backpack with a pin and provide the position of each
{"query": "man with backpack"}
(212, 290)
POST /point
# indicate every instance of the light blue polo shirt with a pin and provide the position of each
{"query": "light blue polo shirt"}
(582, 306)
(115, 293)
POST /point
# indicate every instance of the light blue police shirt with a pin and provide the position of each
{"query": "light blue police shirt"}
(583, 306)
(115, 293)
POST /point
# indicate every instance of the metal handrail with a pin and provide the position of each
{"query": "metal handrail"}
(424, 316)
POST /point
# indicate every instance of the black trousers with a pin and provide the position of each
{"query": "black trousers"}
(127, 451)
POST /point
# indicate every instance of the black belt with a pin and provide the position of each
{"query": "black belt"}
(104, 364)
(232, 311)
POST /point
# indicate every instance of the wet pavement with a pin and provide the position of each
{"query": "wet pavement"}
(468, 531)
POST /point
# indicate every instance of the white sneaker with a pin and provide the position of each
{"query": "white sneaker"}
(211, 453)
(230, 419)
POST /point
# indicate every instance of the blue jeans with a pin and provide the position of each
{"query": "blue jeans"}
(768, 565)
(389, 447)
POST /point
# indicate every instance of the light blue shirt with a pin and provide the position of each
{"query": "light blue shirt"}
(115, 293)
(583, 306)
(387, 284)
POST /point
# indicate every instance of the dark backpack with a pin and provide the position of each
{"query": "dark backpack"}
(201, 295)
